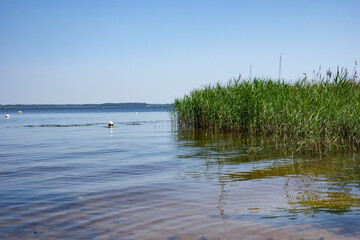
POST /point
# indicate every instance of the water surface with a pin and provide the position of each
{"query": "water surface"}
(65, 175)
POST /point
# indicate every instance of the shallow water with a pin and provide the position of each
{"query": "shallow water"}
(65, 175)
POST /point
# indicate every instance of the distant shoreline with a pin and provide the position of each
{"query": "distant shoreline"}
(103, 105)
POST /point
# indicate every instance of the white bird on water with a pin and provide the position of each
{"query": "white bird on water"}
(135, 113)
(7, 115)
(111, 124)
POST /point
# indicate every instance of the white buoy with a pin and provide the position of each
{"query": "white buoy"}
(111, 124)
(7, 115)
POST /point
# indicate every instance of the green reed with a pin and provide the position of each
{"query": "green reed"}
(322, 112)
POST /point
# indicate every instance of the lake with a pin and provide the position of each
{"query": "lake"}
(65, 175)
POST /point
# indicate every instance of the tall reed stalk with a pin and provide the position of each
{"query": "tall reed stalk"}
(322, 112)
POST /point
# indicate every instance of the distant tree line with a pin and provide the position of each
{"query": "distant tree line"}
(103, 105)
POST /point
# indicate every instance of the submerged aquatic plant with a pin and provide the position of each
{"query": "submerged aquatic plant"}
(322, 112)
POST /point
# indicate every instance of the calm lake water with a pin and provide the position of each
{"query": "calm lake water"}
(65, 175)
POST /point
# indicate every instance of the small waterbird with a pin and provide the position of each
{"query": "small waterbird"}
(135, 113)
(7, 115)
(111, 124)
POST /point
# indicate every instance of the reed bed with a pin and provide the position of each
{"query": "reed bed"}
(322, 112)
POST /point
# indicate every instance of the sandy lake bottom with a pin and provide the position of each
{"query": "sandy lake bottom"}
(64, 175)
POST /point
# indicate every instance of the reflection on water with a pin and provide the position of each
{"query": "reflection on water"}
(326, 184)
(67, 176)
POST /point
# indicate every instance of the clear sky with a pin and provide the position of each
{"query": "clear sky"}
(86, 51)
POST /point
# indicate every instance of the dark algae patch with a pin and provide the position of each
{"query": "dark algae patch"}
(319, 114)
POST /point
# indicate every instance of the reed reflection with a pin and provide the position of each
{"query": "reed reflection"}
(310, 185)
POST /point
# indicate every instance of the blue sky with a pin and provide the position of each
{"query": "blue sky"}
(154, 51)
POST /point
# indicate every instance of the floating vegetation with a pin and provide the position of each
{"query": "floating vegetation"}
(320, 113)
